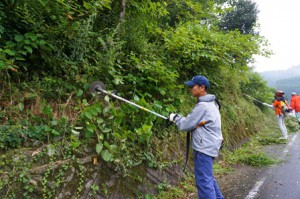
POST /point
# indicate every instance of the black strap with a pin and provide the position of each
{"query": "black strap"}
(218, 103)
(187, 152)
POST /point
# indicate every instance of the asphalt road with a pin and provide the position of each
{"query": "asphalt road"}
(280, 181)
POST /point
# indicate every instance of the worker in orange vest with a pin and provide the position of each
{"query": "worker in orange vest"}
(280, 105)
(295, 105)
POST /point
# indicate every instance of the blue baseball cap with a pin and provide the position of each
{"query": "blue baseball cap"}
(200, 80)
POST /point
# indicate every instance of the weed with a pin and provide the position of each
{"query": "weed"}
(94, 190)
(162, 186)
(221, 168)
(259, 159)
(249, 154)
(269, 140)
(182, 190)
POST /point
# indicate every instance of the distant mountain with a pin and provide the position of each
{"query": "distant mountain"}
(286, 80)
(289, 85)
(273, 76)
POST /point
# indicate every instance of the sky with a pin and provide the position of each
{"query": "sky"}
(279, 23)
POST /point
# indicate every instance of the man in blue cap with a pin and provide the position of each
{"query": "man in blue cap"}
(205, 124)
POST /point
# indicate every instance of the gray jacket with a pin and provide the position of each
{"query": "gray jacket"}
(208, 138)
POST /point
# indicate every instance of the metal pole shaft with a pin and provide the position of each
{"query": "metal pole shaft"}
(129, 102)
(253, 98)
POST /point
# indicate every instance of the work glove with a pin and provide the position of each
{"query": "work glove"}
(172, 117)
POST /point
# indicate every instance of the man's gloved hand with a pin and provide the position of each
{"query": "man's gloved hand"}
(172, 117)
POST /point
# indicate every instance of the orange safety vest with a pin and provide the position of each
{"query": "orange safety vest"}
(295, 103)
(278, 104)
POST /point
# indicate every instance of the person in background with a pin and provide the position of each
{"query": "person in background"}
(278, 105)
(205, 123)
(295, 105)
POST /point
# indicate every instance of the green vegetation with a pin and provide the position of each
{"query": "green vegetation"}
(184, 189)
(52, 50)
(249, 155)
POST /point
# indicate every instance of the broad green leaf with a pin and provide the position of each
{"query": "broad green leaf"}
(99, 147)
(94, 112)
(136, 98)
(100, 137)
(20, 58)
(79, 93)
(158, 104)
(98, 108)
(54, 123)
(29, 34)
(27, 41)
(33, 37)
(106, 109)
(10, 52)
(84, 101)
(106, 144)
(106, 130)
(10, 44)
(48, 111)
(113, 147)
(42, 42)
(47, 128)
(19, 38)
(162, 92)
(87, 5)
(88, 115)
(55, 132)
(106, 155)
(91, 127)
(28, 48)
(99, 120)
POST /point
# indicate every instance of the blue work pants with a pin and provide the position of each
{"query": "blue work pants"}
(205, 181)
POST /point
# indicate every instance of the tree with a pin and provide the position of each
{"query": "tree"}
(241, 16)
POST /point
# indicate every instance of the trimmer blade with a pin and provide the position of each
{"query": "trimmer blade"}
(95, 85)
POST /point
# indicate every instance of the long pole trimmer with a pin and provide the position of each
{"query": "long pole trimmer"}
(98, 86)
(287, 111)
(254, 99)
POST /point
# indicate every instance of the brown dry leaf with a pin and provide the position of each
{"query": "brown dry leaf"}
(69, 16)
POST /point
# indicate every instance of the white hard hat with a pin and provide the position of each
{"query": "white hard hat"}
(293, 93)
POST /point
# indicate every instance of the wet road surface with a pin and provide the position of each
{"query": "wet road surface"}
(280, 181)
(283, 180)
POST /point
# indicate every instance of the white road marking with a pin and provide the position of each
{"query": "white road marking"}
(254, 191)
(252, 194)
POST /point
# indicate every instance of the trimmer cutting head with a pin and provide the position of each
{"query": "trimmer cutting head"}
(97, 86)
